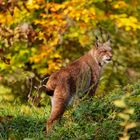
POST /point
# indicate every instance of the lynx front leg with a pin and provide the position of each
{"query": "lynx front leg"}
(59, 102)
(93, 90)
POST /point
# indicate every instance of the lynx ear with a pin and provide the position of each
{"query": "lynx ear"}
(108, 43)
(97, 43)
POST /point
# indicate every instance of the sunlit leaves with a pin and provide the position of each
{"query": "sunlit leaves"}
(61, 21)
(47, 57)
(55, 25)
(120, 4)
(10, 5)
(23, 32)
(127, 123)
(120, 103)
(129, 23)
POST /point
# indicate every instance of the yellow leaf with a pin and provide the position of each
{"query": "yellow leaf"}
(120, 4)
(129, 111)
(120, 103)
(127, 28)
(125, 138)
(124, 116)
(131, 125)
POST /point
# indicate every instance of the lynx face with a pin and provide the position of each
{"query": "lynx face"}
(104, 53)
(82, 75)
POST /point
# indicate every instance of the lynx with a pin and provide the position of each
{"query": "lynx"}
(63, 84)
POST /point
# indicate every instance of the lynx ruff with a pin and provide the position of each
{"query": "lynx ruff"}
(81, 75)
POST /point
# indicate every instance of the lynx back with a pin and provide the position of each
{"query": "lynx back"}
(63, 84)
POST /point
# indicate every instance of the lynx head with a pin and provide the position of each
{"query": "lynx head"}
(103, 52)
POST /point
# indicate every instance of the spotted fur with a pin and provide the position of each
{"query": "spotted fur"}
(80, 76)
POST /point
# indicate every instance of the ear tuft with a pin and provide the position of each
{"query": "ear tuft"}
(97, 42)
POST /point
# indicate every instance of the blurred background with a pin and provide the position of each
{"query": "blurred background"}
(38, 37)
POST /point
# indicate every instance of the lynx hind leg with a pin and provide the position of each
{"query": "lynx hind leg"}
(59, 103)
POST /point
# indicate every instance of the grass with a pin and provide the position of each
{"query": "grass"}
(22, 121)
(86, 120)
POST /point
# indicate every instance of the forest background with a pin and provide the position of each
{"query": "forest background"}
(38, 37)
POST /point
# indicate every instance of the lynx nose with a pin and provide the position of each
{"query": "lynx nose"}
(109, 59)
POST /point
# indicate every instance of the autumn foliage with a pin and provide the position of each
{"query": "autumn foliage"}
(38, 37)
(41, 36)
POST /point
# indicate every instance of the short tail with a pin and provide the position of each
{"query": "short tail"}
(49, 92)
